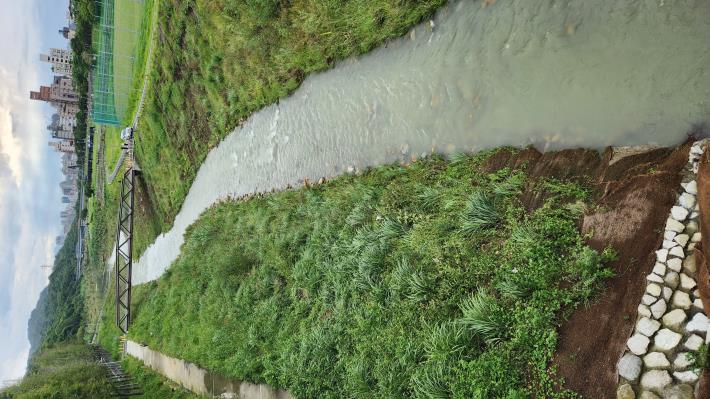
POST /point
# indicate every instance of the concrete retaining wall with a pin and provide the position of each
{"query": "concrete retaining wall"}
(200, 380)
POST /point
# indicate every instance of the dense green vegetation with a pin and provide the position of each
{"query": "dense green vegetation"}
(81, 45)
(204, 85)
(60, 308)
(431, 281)
(62, 371)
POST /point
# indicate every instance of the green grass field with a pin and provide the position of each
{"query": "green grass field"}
(128, 58)
(428, 281)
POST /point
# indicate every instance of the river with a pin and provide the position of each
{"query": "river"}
(553, 74)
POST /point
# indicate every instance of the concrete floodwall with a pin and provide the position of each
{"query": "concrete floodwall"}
(199, 380)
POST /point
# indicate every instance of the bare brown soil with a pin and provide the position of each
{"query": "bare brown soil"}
(701, 256)
(633, 197)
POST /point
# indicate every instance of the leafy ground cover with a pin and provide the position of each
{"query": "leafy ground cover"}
(218, 61)
(426, 281)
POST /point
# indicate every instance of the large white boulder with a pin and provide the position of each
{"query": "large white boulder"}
(686, 282)
(681, 300)
(660, 269)
(687, 201)
(681, 239)
(677, 251)
(638, 344)
(689, 265)
(674, 319)
(680, 391)
(653, 289)
(667, 293)
(655, 379)
(689, 376)
(625, 392)
(672, 279)
(662, 255)
(691, 187)
(629, 367)
(665, 340)
(693, 343)
(674, 264)
(679, 213)
(648, 299)
(696, 237)
(699, 323)
(647, 326)
(682, 361)
(656, 360)
(658, 309)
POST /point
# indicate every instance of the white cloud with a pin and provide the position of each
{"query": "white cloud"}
(30, 198)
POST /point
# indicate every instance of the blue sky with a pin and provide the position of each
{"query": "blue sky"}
(30, 198)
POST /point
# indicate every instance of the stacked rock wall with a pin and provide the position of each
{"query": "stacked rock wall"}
(671, 325)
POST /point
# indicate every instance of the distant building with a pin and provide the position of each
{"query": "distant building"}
(68, 32)
(61, 92)
(64, 122)
(60, 59)
(70, 166)
(67, 115)
(60, 133)
(63, 146)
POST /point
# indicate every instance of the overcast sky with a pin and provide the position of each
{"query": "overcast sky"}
(30, 198)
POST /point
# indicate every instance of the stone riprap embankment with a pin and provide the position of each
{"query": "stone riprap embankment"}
(671, 326)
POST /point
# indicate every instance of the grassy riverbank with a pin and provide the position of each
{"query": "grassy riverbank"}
(205, 85)
(426, 281)
(64, 370)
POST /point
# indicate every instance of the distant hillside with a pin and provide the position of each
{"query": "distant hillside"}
(58, 314)
(35, 326)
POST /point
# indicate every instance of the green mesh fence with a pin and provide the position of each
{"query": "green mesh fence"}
(115, 43)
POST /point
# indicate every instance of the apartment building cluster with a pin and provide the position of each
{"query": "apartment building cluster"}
(62, 96)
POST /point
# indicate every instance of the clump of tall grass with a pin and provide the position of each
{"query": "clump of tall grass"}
(512, 185)
(420, 286)
(430, 383)
(391, 228)
(513, 289)
(484, 317)
(429, 198)
(444, 340)
(359, 215)
(460, 157)
(399, 278)
(480, 214)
